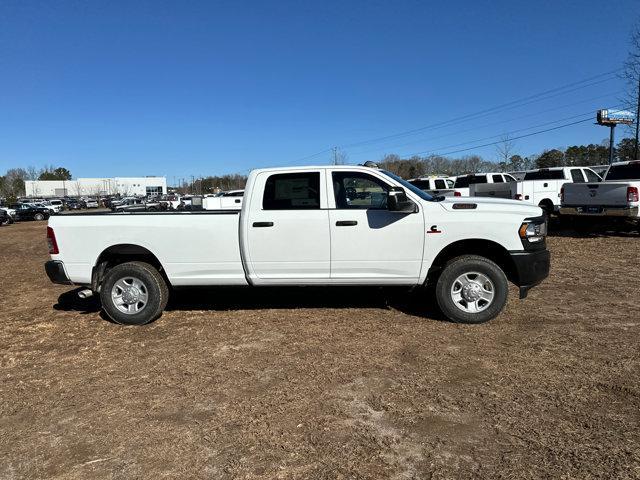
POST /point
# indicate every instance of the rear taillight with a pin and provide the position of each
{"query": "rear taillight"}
(517, 196)
(562, 195)
(632, 194)
(51, 240)
(457, 194)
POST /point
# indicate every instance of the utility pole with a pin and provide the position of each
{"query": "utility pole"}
(635, 156)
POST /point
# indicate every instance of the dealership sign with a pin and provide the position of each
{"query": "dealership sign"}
(613, 117)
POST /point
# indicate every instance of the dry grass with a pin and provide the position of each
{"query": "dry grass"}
(356, 385)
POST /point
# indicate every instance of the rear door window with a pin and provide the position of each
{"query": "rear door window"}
(421, 184)
(292, 191)
(497, 179)
(464, 182)
(440, 185)
(630, 171)
(576, 175)
(591, 175)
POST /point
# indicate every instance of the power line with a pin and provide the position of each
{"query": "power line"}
(490, 124)
(604, 77)
(513, 138)
(493, 110)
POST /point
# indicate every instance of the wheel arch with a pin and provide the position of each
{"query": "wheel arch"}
(476, 246)
(123, 253)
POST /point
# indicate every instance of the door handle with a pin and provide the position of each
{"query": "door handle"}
(263, 224)
(346, 223)
(237, 201)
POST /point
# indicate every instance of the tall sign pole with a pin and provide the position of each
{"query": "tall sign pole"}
(635, 156)
(611, 118)
(611, 142)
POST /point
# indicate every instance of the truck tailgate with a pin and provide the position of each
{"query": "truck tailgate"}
(607, 194)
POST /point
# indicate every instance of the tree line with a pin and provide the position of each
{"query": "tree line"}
(12, 182)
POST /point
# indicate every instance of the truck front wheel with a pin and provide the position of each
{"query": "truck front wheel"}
(134, 293)
(471, 289)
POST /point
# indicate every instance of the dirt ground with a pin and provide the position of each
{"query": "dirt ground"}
(324, 384)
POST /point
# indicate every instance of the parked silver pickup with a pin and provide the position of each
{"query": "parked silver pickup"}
(615, 197)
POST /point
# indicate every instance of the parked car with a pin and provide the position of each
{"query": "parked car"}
(463, 182)
(10, 211)
(130, 205)
(74, 204)
(5, 218)
(90, 203)
(30, 212)
(299, 226)
(231, 200)
(57, 204)
(615, 198)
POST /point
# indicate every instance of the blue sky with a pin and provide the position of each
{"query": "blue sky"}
(109, 88)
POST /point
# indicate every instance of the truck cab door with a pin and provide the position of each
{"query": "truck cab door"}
(370, 244)
(287, 230)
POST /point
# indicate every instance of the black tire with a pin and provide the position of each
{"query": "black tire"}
(156, 290)
(469, 264)
(38, 216)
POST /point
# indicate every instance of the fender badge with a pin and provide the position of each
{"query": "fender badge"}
(434, 229)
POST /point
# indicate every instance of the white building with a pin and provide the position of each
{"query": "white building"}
(82, 187)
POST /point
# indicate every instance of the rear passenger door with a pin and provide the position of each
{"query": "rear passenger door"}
(288, 229)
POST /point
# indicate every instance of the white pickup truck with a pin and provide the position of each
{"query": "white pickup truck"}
(543, 186)
(434, 185)
(231, 200)
(616, 197)
(340, 225)
(540, 187)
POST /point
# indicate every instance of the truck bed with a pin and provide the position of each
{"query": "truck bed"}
(195, 248)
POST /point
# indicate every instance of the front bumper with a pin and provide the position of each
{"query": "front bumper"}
(531, 268)
(584, 211)
(56, 273)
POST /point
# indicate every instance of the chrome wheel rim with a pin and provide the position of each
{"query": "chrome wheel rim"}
(472, 292)
(130, 295)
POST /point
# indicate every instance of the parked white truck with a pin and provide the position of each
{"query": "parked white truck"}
(615, 198)
(434, 185)
(340, 225)
(539, 187)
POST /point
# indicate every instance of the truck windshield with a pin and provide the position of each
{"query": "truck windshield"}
(408, 186)
(631, 171)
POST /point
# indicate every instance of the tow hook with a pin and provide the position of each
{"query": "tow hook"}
(86, 293)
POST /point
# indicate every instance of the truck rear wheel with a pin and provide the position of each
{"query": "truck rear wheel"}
(134, 293)
(471, 289)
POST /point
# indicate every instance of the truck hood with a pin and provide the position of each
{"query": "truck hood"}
(496, 205)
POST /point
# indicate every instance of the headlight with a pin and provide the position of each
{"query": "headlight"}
(533, 231)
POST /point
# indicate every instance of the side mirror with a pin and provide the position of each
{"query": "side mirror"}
(397, 201)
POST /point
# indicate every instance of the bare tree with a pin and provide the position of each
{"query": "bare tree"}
(631, 75)
(504, 149)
